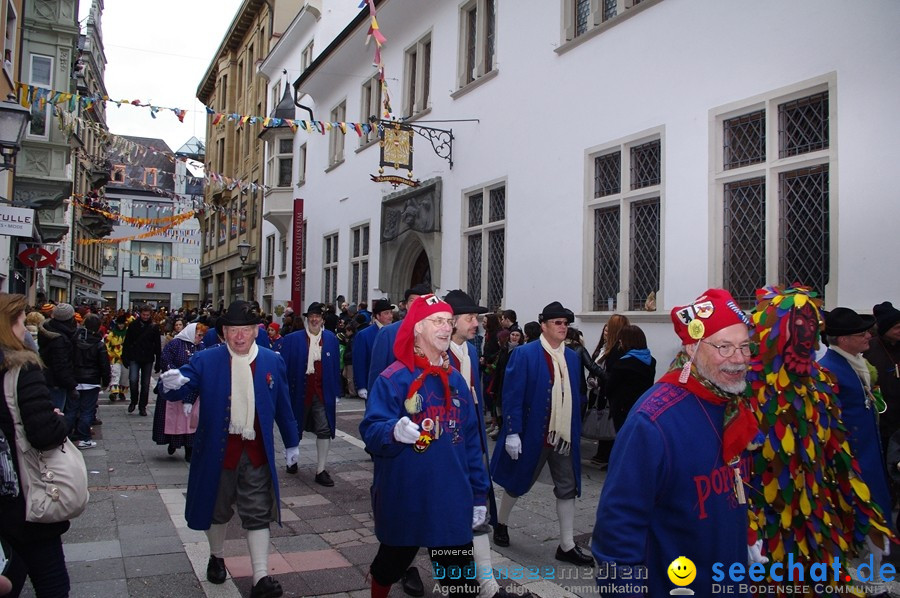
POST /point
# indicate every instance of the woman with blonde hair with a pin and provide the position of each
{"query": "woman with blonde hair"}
(37, 551)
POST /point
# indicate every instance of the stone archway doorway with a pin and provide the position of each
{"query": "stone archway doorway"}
(421, 271)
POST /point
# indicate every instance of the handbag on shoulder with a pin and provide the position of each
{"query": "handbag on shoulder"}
(54, 481)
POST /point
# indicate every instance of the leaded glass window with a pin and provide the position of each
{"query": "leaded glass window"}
(644, 275)
(803, 125)
(645, 165)
(745, 239)
(745, 140)
(804, 228)
(606, 258)
(607, 174)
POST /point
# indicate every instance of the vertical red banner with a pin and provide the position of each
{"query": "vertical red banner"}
(298, 247)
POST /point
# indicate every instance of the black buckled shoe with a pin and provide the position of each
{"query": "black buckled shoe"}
(323, 479)
(292, 469)
(412, 583)
(131, 407)
(215, 570)
(267, 587)
(574, 556)
(501, 535)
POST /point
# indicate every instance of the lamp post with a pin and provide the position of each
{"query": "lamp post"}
(244, 252)
(122, 289)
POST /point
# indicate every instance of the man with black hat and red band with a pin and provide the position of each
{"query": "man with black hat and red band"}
(245, 392)
(848, 334)
(542, 403)
(675, 483)
(364, 341)
(314, 372)
(430, 484)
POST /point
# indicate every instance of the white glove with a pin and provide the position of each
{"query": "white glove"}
(879, 551)
(405, 431)
(479, 514)
(513, 446)
(291, 455)
(755, 555)
(172, 379)
(188, 407)
(362, 393)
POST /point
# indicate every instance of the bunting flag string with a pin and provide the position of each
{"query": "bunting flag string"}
(169, 258)
(136, 221)
(375, 33)
(31, 94)
(144, 235)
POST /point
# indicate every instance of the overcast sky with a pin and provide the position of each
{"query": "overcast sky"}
(157, 52)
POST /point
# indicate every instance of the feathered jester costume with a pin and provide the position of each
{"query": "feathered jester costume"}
(809, 498)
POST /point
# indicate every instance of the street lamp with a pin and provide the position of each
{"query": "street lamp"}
(13, 120)
(244, 250)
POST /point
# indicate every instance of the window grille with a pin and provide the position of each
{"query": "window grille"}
(495, 268)
(476, 209)
(582, 16)
(606, 258)
(498, 204)
(474, 266)
(645, 165)
(610, 9)
(803, 125)
(745, 140)
(804, 230)
(745, 239)
(608, 174)
(644, 277)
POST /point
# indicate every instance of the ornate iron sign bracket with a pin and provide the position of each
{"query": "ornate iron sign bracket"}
(441, 139)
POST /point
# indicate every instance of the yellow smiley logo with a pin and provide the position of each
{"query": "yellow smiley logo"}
(682, 571)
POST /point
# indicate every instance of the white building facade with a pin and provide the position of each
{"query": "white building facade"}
(617, 156)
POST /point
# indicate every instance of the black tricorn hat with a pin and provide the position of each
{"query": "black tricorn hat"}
(315, 308)
(240, 313)
(843, 321)
(381, 305)
(463, 304)
(419, 289)
(556, 310)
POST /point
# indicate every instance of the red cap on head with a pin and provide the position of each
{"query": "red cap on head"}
(418, 310)
(706, 315)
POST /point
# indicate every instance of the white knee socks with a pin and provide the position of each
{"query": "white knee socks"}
(565, 510)
(322, 445)
(215, 535)
(506, 506)
(258, 543)
(483, 567)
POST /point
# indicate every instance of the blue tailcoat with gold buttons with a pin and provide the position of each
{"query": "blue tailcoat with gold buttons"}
(527, 385)
(209, 374)
(294, 350)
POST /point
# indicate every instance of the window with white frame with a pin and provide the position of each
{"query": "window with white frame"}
(270, 255)
(417, 70)
(581, 16)
(306, 57)
(371, 107)
(301, 165)
(41, 75)
(626, 218)
(336, 138)
(477, 34)
(484, 242)
(151, 260)
(9, 40)
(330, 268)
(150, 176)
(281, 162)
(276, 95)
(772, 182)
(283, 252)
(359, 263)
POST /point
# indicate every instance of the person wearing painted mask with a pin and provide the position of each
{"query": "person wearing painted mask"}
(313, 363)
(542, 403)
(659, 501)
(430, 484)
(244, 389)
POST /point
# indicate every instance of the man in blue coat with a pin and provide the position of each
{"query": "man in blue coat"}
(383, 314)
(848, 335)
(313, 362)
(430, 483)
(244, 392)
(383, 348)
(542, 403)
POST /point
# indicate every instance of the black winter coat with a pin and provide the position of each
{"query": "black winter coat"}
(627, 380)
(142, 344)
(91, 358)
(44, 429)
(57, 348)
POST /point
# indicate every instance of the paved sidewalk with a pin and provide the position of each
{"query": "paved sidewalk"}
(133, 541)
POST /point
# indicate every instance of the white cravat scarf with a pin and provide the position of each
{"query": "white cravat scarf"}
(560, 430)
(243, 397)
(315, 351)
(465, 364)
(858, 363)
